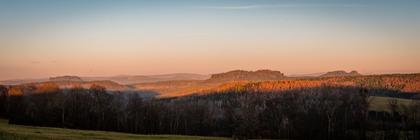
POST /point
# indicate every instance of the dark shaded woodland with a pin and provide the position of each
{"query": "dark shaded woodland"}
(325, 112)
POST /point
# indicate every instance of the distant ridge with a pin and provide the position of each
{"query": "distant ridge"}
(23, 81)
(122, 79)
(307, 74)
(340, 73)
(238, 75)
(66, 78)
(135, 79)
(70, 83)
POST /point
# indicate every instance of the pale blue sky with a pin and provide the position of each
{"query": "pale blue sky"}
(45, 38)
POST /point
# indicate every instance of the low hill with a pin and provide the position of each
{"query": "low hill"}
(43, 87)
(340, 74)
(122, 79)
(23, 81)
(241, 75)
(265, 80)
(66, 78)
(109, 85)
(185, 87)
(406, 84)
(134, 79)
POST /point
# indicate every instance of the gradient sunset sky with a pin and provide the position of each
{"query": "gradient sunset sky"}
(43, 38)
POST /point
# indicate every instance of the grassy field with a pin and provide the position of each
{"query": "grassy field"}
(381, 103)
(18, 132)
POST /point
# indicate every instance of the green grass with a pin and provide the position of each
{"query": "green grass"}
(19, 132)
(381, 103)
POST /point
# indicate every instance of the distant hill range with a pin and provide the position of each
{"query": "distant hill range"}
(66, 78)
(307, 74)
(109, 85)
(170, 85)
(23, 81)
(235, 75)
(130, 79)
(340, 73)
(124, 79)
(240, 75)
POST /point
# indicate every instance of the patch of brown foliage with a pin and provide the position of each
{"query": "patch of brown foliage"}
(402, 82)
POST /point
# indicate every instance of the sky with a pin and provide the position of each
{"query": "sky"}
(46, 38)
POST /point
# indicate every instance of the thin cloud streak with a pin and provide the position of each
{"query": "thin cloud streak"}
(248, 7)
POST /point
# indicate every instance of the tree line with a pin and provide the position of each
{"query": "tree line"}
(323, 112)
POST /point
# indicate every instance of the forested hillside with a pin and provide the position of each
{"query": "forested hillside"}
(315, 108)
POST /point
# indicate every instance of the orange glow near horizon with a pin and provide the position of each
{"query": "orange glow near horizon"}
(136, 40)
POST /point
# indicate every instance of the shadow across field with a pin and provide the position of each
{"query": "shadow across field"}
(18, 132)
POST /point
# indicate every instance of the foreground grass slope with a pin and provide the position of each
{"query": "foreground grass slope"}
(19, 132)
